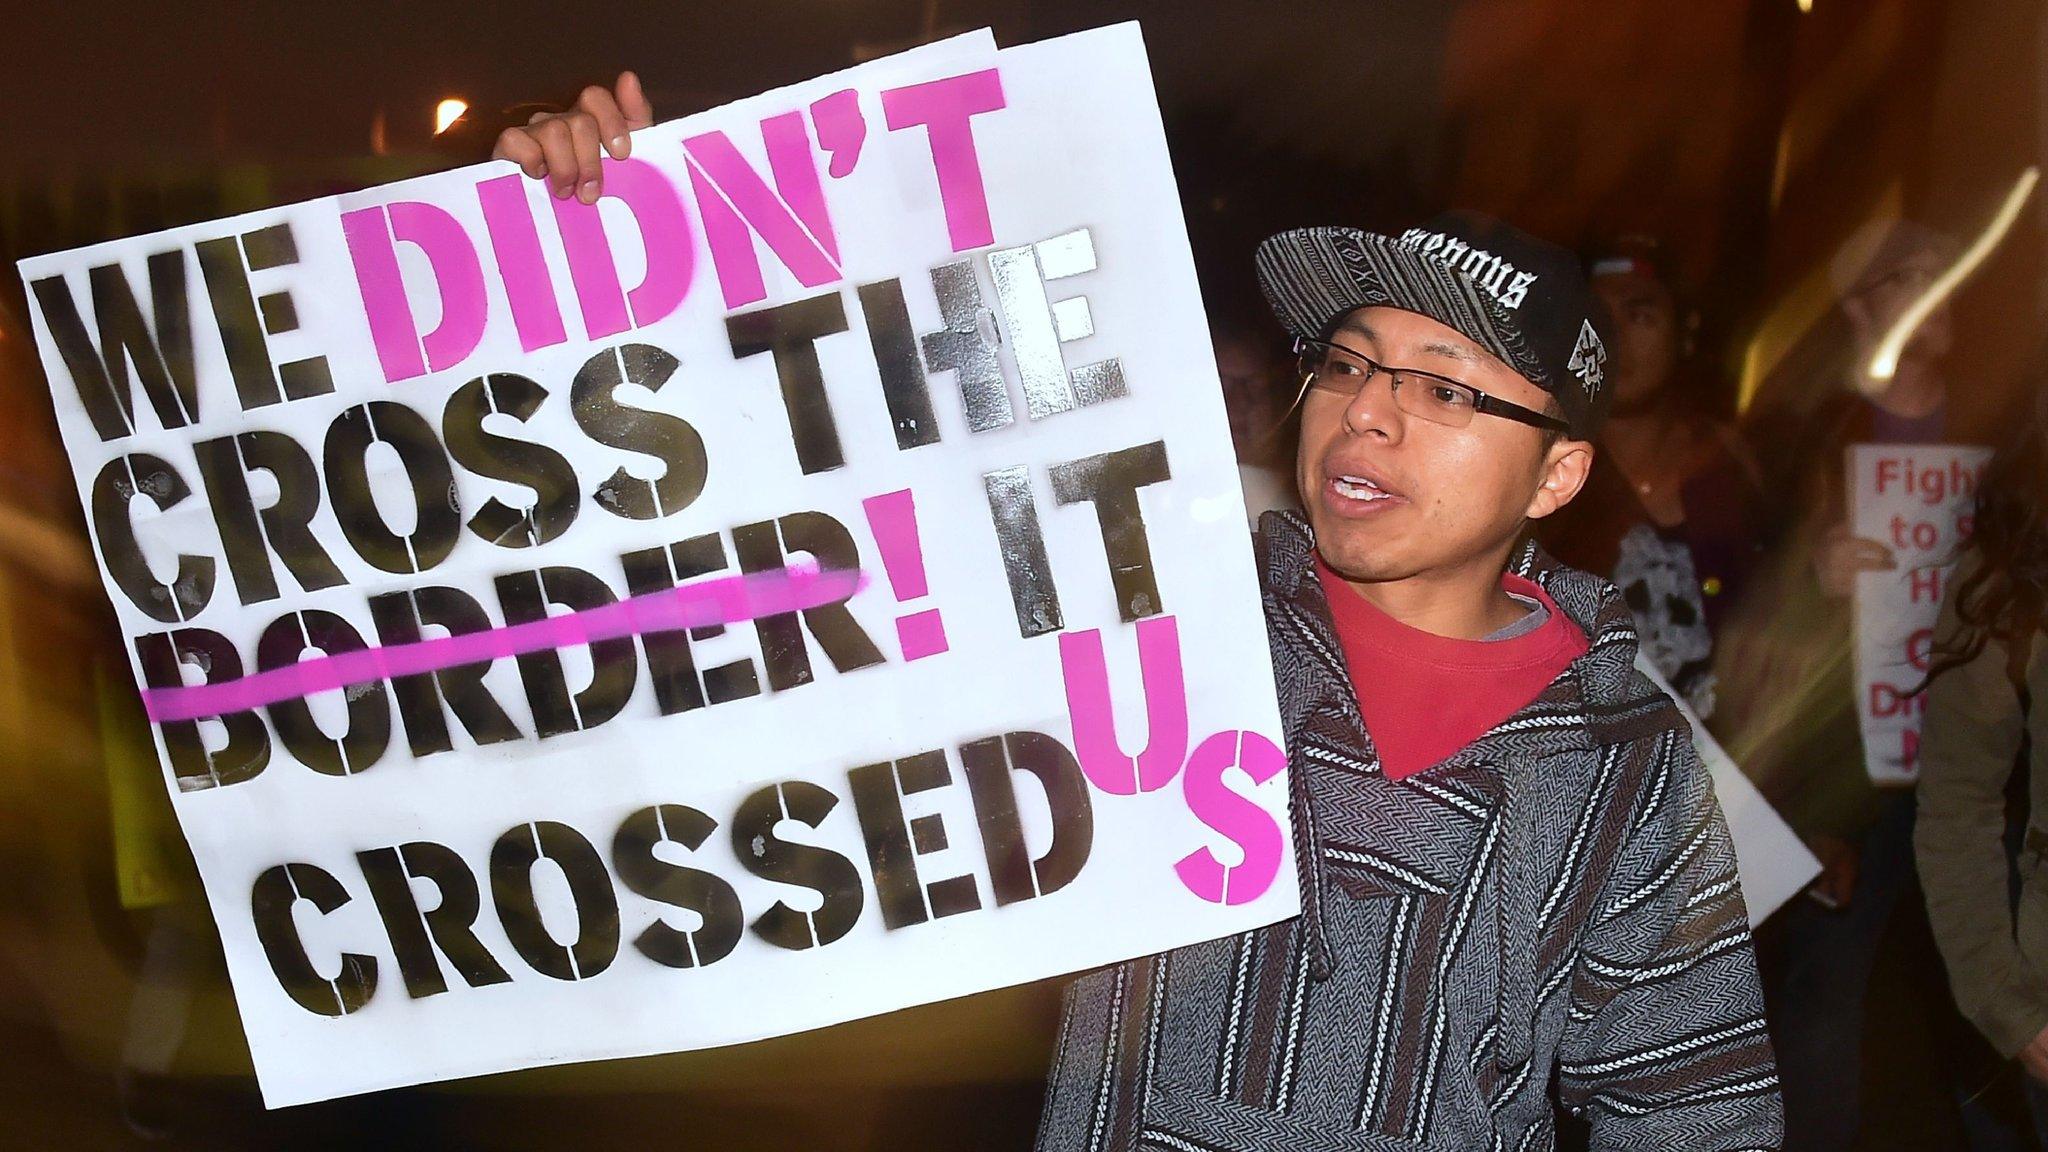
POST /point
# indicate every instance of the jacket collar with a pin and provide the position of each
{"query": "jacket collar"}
(1599, 700)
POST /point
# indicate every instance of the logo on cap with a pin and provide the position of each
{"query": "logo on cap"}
(1496, 277)
(1589, 357)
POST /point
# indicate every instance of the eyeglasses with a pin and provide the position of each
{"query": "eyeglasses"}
(1335, 369)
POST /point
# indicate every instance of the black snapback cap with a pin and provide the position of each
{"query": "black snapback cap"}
(1524, 300)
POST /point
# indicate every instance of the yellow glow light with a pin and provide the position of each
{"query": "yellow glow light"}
(446, 113)
(1885, 361)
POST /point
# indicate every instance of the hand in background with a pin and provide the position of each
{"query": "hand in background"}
(2034, 1057)
(1842, 554)
(1836, 883)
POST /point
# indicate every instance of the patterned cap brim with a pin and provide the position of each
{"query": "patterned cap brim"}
(1314, 276)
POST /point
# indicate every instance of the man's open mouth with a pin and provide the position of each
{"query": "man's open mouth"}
(1359, 488)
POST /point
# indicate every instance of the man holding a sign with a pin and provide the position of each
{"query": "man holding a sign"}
(577, 628)
(1513, 865)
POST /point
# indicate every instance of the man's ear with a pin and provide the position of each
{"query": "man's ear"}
(1565, 468)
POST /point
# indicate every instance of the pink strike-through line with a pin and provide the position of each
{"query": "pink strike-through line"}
(728, 600)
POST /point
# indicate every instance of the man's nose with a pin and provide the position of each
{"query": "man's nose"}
(1374, 412)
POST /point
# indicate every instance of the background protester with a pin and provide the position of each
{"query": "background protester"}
(1984, 762)
(1669, 511)
(1788, 708)
(1257, 390)
(1789, 716)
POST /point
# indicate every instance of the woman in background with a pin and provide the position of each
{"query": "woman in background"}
(1979, 727)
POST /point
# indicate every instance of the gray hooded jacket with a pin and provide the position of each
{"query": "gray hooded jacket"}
(1559, 899)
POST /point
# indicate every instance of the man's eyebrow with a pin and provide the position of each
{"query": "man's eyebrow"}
(1358, 327)
(1457, 352)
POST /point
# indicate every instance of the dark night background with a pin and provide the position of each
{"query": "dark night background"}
(1754, 137)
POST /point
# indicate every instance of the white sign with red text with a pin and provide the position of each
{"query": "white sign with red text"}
(1916, 500)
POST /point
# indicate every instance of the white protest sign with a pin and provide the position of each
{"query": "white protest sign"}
(1771, 860)
(808, 583)
(1917, 500)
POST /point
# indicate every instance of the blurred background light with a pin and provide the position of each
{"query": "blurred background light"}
(1885, 361)
(447, 112)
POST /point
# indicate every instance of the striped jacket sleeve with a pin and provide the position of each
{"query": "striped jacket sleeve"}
(1080, 1113)
(1665, 1045)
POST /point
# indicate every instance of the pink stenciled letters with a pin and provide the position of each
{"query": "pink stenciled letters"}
(1234, 815)
(946, 109)
(372, 235)
(665, 235)
(1089, 707)
(516, 242)
(736, 204)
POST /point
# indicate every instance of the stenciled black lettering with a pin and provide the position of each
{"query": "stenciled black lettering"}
(534, 466)
(791, 331)
(400, 618)
(991, 766)
(430, 482)
(671, 663)
(1013, 510)
(822, 870)
(513, 859)
(271, 900)
(1111, 482)
(524, 598)
(245, 321)
(112, 502)
(765, 547)
(966, 347)
(250, 537)
(283, 642)
(162, 357)
(894, 844)
(668, 438)
(646, 874)
(904, 387)
(450, 926)
(246, 751)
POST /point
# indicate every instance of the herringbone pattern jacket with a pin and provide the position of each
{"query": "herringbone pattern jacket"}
(1557, 901)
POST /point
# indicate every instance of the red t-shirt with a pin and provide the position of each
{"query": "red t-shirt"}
(1424, 697)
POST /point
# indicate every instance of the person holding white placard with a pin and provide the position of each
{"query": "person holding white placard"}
(1514, 870)
(1790, 709)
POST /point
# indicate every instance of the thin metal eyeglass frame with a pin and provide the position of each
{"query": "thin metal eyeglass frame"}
(1481, 401)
